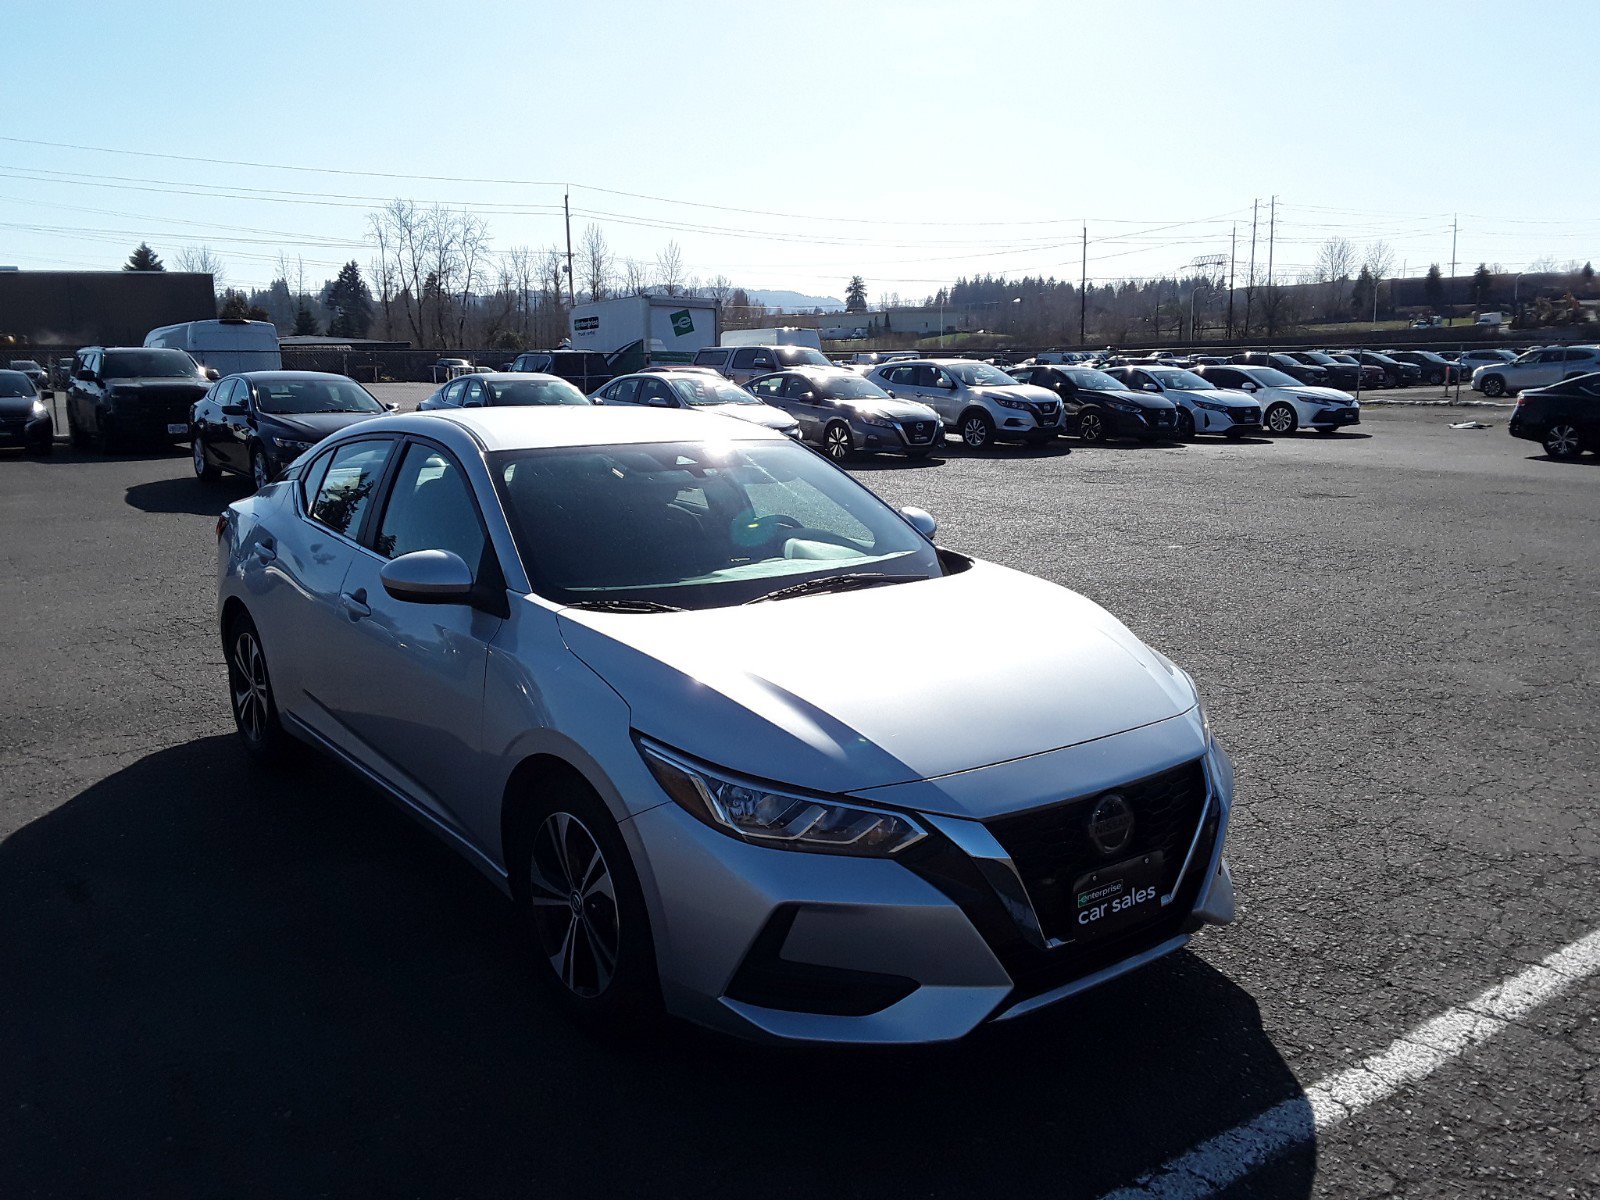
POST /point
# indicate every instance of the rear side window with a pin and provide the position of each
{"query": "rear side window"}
(710, 358)
(345, 492)
(751, 356)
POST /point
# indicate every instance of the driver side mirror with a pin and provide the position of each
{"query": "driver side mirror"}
(234, 410)
(1247, 386)
(1151, 387)
(213, 374)
(948, 385)
(921, 520)
(428, 577)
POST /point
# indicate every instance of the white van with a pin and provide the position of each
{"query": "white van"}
(227, 346)
(787, 335)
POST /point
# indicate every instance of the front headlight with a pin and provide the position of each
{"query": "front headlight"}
(1007, 402)
(39, 409)
(872, 419)
(764, 815)
(291, 444)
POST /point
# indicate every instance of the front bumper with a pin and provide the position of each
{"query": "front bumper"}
(1162, 423)
(1335, 418)
(785, 946)
(900, 437)
(27, 431)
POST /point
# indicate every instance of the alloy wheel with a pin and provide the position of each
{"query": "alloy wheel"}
(259, 471)
(1090, 428)
(975, 432)
(1494, 386)
(252, 694)
(1562, 442)
(836, 443)
(574, 901)
(1281, 419)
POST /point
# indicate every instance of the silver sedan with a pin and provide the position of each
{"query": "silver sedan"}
(585, 646)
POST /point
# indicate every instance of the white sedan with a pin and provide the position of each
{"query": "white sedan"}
(1287, 404)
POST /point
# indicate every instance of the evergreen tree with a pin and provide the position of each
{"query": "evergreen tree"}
(1482, 281)
(1433, 288)
(1361, 295)
(855, 295)
(304, 322)
(235, 306)
(143, 259)
(1587, 272)
(350, 300)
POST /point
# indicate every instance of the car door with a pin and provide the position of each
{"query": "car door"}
(1548, 369)
(299, 564)
(81, 406)
(654, 393)
(750, 361)
(223, 420)
(1062, 385)
(806, 401)
(409, 687)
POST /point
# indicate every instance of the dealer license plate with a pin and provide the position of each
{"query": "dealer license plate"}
(177, 430)
(1117, 896)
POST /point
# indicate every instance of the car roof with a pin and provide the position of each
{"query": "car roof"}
(505, 377)
(529, 428)
(266, 376)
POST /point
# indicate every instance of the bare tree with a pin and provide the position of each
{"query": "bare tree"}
(719, 289)
(635, 277)
(594, 266)
(201, 261)
(669, 268)
(472, 250)
(1379, 260)
(1336, 261)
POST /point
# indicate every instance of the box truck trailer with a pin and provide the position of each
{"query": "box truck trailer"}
(639, 331)
(786, 335)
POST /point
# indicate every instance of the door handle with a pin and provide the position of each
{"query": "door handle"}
(356, 604)
(266, 551)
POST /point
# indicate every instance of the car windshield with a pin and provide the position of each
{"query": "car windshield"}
(1532, 356)
(534, 391)
(149, 364)
(709, 389)
(1182, 380)
(1271, 377)
(853, 387)
(291, 397)
(801, 356)
(697, 525)
(14, 383)
(1346, 359)
(25, 364)
(980, 375)
(1097, 381)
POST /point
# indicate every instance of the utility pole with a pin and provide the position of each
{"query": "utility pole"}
(1451, 319)
(1156, 325)
(1250, 281)
(572, 295)
(1272, 229)
(1083, 292)
(1233, 245)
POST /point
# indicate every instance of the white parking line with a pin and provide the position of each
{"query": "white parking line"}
(1229, 1157)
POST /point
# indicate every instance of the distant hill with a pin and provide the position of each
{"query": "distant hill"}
(796, 301)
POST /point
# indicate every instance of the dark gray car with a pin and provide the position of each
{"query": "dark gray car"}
(842, 413)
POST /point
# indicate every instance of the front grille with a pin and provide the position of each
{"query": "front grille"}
(1247, 416)
(170, 404)
(1047, 414)
(1163, 417)
(917, 432)
(1051, 846)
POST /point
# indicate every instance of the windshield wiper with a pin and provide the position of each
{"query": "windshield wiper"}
(627, 606)
(834, 583)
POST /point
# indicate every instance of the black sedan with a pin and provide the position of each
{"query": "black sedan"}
(1396, 374)
(1312, 374)
(37, 375)
(1097, 407)
(1564, 418)
(24, 417)
(258, 422)
(1343, 375)
(500, 389)
(1435, 368)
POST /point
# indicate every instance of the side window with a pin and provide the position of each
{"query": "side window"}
(769, 385)
(1135, 380)
(474, 395)
(749, 357)
(452, 393)
(798, 387)
(1579, 355)
(311, 479)
(1552, 356)
(897, 375)
(655, 393)
(430, 508)
(626, 391)
(710, 358)
(345, 491)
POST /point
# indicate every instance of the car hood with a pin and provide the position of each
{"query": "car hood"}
(1143, 399)
(313, 427)
(746, 688)
(16, 406)
(1326, 393)
(759, 414)
(897, 410)
(1032, 393)
(198, 387)
(1231, 396)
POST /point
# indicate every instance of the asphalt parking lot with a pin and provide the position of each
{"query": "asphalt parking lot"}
(215, 982)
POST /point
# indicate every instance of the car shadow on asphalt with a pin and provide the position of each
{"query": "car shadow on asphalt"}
(1583, 460)
(218, 980)
(881, 462)
(187, 494)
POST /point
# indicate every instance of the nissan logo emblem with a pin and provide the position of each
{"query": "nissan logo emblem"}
(1111, 824)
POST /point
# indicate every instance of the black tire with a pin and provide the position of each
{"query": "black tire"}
(260, 469)
(1091, 426)
(1492, 386)
(105, 442)
(977, 429)
(1281, 419)
(43, 447)
(204, 469)
(1563, 441)
(1186, 430)
(571, 920)
(1435, 378)
(255, 710)
(1396, 381)
(837, 441)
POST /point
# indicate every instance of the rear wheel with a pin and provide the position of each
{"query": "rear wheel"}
(259, 470)
(837, 442)
(1492, 386)
(1091, 426)
(1562, 441)
(1282, 419)
(105, 442)
(203, 470)
(589, 922)
(977, 430)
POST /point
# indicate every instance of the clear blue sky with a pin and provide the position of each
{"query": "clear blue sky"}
(909, 142)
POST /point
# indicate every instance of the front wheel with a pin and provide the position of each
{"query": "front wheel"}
(1091, 426)
(589, 922)
(977, 430)
(837, 442)
(1185, 425)
(1562, 441)
(1435, 378)
(105, 441)
(1493, 386)
(1282, 419)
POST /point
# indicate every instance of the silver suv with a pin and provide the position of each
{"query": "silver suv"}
(979, 401)
(1537, 368)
